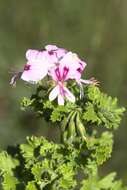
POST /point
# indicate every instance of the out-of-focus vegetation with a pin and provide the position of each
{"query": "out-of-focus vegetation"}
(95, 29)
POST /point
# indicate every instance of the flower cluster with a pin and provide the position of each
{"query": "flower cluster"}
(61, 65)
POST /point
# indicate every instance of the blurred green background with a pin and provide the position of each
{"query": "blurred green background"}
(97, 30)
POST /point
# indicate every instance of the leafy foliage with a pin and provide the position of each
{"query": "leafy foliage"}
(101, 147)
(40, 164)
(94, 182)
(7, 164)
(102, 109)
(106, 183)
(47, 165)
(73, 163)
(94, 109)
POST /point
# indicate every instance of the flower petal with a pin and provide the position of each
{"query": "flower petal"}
(32, 54)
(69, 95)
(35, 74)
(54, 93)
(60, 100)
(60, 53)
(51, 47)
(75, 65)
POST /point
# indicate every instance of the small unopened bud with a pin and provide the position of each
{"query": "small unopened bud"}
(80, 127)
(71, 127)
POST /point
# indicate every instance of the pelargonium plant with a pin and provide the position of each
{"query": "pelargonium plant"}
(80, 110)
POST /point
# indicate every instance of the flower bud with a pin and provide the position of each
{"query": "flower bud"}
(80, 127)
(65, 122)
(71, 127)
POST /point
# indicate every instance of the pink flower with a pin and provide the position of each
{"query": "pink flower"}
(36, 67)
(53, 50)
(60, 65)
(60, 74)
(72, 63)
(39, 62)
(75, 65)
